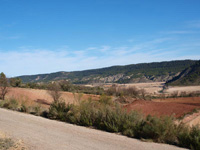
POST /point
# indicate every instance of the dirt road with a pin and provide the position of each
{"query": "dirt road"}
(43, 134)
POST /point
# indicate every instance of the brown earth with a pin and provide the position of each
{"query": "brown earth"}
(162, 108)
(158, 107)
(183, 100)
(32, 96)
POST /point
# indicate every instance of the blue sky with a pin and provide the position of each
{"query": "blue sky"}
(43, 36)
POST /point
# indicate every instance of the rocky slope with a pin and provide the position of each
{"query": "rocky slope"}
(135, 73)
(189, 76)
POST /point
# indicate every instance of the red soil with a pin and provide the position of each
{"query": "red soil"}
(162, 108)
(186, 100)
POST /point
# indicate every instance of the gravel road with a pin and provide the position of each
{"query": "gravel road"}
(42, 134)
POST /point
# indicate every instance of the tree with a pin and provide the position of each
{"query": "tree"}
(15, 82)
(143, 93)
(54, 91)
(3, 85)
(66, 85)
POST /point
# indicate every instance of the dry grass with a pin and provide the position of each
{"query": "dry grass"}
(32, 96)
(155, 87)
(183, 89)
(7, 143)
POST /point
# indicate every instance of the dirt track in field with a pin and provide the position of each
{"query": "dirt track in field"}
(42, 134)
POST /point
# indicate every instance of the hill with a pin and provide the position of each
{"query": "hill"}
(135, 73)
(189, 76)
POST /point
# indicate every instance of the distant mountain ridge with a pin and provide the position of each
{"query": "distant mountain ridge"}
(189, 76)
(135, 73)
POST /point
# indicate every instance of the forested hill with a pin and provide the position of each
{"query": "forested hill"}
(144, 72)
(189, 76)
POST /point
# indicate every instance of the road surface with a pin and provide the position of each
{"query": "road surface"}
(43, 134)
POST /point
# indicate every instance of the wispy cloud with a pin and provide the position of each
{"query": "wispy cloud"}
(104, 48)
(178, 32)
(34, 61)
(194, 24)
(130, 40)
(91, 48)
(162, 47)
(10, 37)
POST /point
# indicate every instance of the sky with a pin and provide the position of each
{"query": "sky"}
(44, 36)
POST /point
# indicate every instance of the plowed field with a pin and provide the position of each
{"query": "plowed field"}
(176, 107)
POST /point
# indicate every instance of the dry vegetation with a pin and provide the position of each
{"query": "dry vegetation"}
(115, 111)
(7, 143)
(42, 96)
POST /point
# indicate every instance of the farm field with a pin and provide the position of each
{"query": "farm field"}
(183, 89)
(155, 87)
(43, 97)
(183, 100)
(178, 107)
(152, 87)
(168, 106)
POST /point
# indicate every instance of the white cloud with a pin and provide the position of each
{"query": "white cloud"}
(27, 60)
(104, 48)
(91, 48)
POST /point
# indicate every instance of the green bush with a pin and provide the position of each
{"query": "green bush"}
(107, 100)
(36, 110)
(10, 104)
(162, 129)
(190, 138)
(131, 124)
(113, 118)
(73, 115)
(24, 108)
(110, 119)
(58, 110)
(88, 113)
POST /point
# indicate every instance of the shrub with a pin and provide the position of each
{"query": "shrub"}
(131, 124)
(3, 86)
(73, 115)
(36, 110)
(190, 138)
(88, 113)
(106, 100)
(54, 91)
(127, 91)
(113, 118)
(6, 143)
(159, 129)
(110, 120)
(58, 110)
(10, 104)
